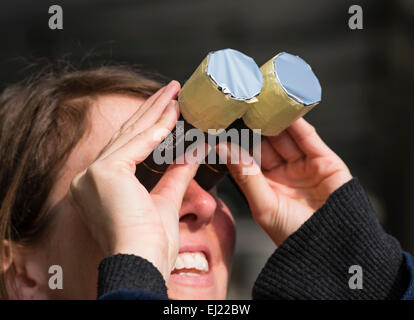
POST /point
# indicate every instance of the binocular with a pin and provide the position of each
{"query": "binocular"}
(229, 91)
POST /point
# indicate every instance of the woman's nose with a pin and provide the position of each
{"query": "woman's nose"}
(198, 206)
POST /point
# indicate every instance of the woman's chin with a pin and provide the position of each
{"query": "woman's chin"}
(187, 293)
(194, 287)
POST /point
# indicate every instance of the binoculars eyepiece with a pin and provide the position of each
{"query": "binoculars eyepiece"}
(228, 91)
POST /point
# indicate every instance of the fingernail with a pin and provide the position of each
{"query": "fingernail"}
(171, 84)
(172, 105)
(223, 152)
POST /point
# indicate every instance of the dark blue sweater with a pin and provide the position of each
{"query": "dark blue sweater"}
(313, 263)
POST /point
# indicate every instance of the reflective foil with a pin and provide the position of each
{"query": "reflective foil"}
(235, 73)
(290, 90)
(220, 90)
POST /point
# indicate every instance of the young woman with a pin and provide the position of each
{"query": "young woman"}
(69, 145)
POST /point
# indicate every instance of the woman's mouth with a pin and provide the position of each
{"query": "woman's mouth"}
(192, 268)
(191, 264)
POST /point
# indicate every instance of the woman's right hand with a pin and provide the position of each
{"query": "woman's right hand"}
(122, 216)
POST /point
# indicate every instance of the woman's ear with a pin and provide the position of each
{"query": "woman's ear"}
(24, 278)
(7, 269)
(6, 256)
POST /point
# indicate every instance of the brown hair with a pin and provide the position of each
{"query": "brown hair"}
(41, 121)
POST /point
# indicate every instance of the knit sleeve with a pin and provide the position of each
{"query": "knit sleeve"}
(126, 271)
(315, 262)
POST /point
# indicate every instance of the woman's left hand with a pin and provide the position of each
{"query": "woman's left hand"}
(298, 173)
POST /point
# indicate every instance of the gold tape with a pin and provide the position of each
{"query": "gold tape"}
(275, 110)
(204, 106)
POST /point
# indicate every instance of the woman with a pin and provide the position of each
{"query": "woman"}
(54, 127)
(69, 197)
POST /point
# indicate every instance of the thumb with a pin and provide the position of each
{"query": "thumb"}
(247, 174)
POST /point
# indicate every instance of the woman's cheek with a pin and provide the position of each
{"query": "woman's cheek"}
(226, 232)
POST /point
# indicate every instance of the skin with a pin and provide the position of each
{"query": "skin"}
(94, 219)
(204, 220)
(298, 172)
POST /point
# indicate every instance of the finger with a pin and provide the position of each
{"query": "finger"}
(115, 141)
(306, 137)
(141, 145)
(142, 121)
(286, 147)
(270, 157)
(153, 108)
(255, 187)
(174, 182)
(144, 107)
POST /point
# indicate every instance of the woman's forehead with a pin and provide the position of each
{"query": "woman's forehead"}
(113, 110)
(106, 116)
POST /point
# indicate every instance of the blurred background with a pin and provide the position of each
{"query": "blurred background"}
(367, 112)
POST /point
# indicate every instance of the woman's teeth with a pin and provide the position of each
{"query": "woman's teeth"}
(191, 264)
